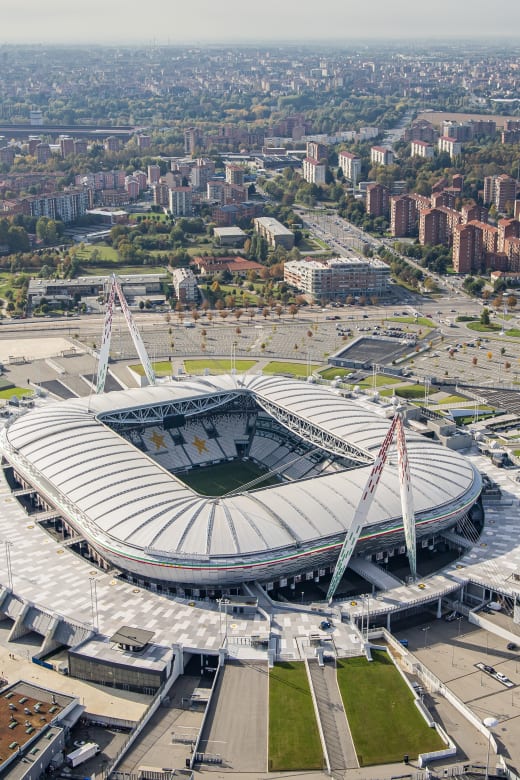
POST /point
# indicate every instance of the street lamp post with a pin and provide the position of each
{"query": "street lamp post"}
(223, 603)
(489, 723)
(8, 546)
(426, 629)
(94, 602)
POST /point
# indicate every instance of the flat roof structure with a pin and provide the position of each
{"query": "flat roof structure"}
(136, 637)
(27, 714)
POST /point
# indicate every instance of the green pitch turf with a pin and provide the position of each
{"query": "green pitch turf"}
(224, 477)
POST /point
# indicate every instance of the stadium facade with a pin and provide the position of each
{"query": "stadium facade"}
(112, 467)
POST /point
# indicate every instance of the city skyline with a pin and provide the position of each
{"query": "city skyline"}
(202, 21)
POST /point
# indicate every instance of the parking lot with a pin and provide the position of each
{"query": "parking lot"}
(456, 653)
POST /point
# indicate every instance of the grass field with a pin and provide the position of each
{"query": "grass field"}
(332, 373)
(424, 321)
(121, 270)
(150, 215)
(381, 380)
(483, 328)
(108, 262)
(161, 368)
(9, 392)
(225, 477)
(105, 252)
(405, 391)
(285, 367)
(294, 742)
(383, 719)
(216, 366)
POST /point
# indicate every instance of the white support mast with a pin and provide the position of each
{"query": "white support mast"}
(406, 498)
(104, 352)
(364, 505)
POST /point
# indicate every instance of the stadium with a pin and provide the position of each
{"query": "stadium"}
(219, 481)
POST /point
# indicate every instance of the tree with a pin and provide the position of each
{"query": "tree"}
(484, 316)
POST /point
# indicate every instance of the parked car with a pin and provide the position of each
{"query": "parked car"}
(512, 646)
(489, 669)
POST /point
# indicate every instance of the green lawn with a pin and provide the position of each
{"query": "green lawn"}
(515, 332)
(383, 719)
(216, 366)
(405, 391)
(285, 367)
(105, 252)
(294, 742)
(121, 270)
(483, 328)
(150, 215)
(224, 477)
(332, 373)
(424, 321)
(161, 368)
(381, 380)
(453, 399)
(9, 392)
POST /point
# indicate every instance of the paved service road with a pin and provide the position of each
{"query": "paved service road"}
(236, 727)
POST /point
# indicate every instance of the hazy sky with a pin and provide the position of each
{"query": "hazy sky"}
(177, 21)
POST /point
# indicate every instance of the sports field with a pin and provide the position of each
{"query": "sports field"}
(224, 477)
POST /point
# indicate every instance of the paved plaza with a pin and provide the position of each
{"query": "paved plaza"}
(49, 575)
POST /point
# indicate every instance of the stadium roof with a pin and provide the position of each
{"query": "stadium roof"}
(125, 502)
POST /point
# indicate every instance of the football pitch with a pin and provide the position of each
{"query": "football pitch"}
(224, 477)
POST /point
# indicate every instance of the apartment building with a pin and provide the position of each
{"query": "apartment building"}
(274, 232)
(422, 149)
(112, 144)
(377, 200)
(43, 153)
(180, 201)
(450, 145)
(500, 191)
(380, 155)
(153, 174)
(467, 249)
(67, 206)
(404, 213)
(436, 225)
(235, 174)
(66, 145)
(144, 141)
(185, 285)
(314, 171)
(338, 278)
(350, 164)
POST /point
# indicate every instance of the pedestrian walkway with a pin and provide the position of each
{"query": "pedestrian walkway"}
(336, 732)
